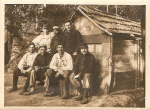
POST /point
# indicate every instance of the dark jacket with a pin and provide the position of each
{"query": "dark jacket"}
(42, 61)
(84, 64)
(71, 41)
(55, 41)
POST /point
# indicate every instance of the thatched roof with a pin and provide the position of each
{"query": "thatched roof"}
(110, 23)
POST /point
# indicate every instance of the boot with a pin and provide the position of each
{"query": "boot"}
(22, 92)
(32, 91)
(79, 97)
(15, 81)
(66, 93)
(52, 93)
(85, 97)
(25, 86)
(13, 89)
(46, 93)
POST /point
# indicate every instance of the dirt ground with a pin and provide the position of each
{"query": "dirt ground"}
(119, 99)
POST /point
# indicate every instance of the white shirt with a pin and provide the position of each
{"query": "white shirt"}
(66, 63)
(43, 39)
(27, 60)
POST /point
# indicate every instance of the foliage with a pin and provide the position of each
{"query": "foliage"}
(128, 11)
(57, 14)
(17, 15)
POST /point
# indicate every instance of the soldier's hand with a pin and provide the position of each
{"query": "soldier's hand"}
(37, 68)
(61, 71)
(74, 53)
(76, 76)
(23, 71)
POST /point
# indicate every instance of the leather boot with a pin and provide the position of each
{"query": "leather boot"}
(79, 97)
(13, 89)
(66, 92)
(85, 97)
(53, 92)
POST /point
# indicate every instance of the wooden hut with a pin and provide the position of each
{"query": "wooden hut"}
(116, 44)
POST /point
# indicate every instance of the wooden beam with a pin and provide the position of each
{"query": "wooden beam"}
(135, 63)
(110, 65)
(138, 55)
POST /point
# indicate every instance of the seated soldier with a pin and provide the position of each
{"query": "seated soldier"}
(83, 70)
(60, 66)
(24, 68)
(40, 66)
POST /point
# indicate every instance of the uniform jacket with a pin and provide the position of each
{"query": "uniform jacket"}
(84, 64)
(55, 41)
(42, 61)
(71, 40)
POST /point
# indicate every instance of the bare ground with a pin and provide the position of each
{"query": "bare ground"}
(130, 98)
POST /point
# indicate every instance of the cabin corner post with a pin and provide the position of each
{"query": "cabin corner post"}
(110, 59)
(136, 63)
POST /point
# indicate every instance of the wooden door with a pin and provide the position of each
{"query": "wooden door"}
(124, 65)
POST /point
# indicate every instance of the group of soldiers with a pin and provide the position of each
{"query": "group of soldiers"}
(58, 57)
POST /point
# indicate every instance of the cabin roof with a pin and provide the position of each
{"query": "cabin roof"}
(110, 23)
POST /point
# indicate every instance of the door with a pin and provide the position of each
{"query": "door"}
(124, 61)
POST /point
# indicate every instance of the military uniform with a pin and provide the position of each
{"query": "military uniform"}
(71, 40)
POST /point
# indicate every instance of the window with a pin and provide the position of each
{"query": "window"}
(95, 48)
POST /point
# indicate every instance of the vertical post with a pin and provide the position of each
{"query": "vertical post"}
(110, 65)
(116, 9)
(107, 8)
(143, 9)
(36, 23)
(136, 63)
(138, 56)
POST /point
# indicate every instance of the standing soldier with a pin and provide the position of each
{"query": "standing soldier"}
(84, 70)
(24, 69)
(71, 39)
(56, 39)
(43, 38)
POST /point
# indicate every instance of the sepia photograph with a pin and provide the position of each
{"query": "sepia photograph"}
(74, 55)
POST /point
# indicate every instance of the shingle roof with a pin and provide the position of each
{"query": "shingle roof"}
(111, 23)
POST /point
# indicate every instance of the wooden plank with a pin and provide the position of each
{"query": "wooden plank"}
(138, 64)
(72, 90)
(124, 42)
(121, 76)
(122, 57)
(124, 69)
(124, 85)
(122, 36)
(96, 38)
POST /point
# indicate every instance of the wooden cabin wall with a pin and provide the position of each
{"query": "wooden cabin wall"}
(92, 35)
